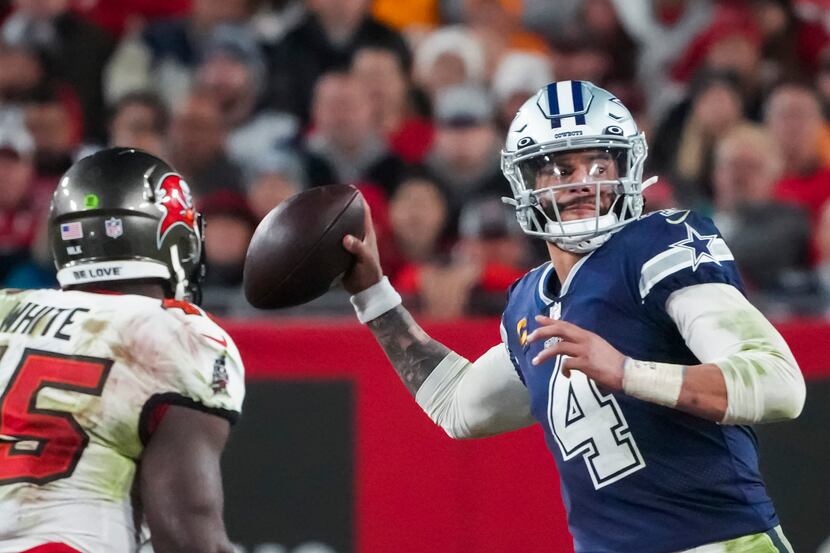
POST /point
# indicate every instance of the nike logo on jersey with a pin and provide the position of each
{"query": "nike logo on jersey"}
(221, 341)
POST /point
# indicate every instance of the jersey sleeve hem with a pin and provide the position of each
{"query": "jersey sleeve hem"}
(173, 398)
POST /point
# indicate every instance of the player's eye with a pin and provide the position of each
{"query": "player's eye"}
(599, 168)
(558, 171)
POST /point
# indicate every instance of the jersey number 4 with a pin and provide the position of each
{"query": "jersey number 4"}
(38, 444)
(589, 424)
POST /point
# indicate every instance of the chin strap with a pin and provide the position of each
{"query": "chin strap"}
(576, 245)
(649, 182)
(181, 277)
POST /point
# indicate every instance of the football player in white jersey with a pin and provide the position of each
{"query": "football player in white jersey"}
(117, 392)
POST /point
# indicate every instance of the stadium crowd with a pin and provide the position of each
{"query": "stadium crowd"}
(409, 100)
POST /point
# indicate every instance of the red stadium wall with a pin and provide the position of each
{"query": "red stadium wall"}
(415, 489)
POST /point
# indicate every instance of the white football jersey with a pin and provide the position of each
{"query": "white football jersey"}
(80, 376)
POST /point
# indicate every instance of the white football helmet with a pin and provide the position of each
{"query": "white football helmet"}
(561, 119)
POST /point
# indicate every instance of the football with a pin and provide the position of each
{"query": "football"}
(296, 253)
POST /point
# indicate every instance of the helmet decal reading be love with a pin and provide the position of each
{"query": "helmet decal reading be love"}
(173, 196)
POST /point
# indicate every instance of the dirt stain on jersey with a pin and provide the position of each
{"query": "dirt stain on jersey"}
(94, 326)
(124, 354)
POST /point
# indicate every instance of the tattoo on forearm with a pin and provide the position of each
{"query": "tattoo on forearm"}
(412, 352)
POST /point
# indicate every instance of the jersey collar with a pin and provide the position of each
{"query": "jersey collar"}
(546, 282)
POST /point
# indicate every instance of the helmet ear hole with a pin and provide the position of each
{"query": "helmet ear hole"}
(525, 141)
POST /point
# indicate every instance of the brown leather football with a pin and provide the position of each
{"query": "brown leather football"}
(297, 253)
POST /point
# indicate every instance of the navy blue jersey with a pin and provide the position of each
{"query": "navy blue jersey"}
(636, 476)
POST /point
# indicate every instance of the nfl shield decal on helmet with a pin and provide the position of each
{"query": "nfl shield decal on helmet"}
(114, 227)
(173, 196)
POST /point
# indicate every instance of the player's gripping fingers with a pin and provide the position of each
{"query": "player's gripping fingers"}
(356, 247)
(368, 225)
(363, 249)
(570, 364)
(571, 349)
(552, 328)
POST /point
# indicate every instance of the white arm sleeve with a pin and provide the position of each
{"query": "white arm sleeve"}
(720, 326)
(474, 400)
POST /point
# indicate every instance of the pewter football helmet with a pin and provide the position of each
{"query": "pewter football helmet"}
(123, 214)
(567, 117)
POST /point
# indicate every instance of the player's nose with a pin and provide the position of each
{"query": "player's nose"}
(580, 179)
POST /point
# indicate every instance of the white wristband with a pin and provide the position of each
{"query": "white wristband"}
(658, 383)
(375, 300)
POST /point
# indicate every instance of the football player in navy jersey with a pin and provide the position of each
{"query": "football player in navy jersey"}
(634, 348)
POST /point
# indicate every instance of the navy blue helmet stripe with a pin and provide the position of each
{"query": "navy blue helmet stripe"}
(576, 90)
(553, 106)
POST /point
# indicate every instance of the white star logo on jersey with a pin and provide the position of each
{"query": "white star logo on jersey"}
(700, 246)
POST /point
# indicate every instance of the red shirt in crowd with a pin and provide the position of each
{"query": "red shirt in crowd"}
(812, 193)
(17, 229)
(808, 191)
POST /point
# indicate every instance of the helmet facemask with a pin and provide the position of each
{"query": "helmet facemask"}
(574, 118)
(576, 192)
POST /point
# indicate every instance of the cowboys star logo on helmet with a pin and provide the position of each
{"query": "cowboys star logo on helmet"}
(561, 119)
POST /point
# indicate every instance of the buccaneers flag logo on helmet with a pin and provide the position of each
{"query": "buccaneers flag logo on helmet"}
(173, 196)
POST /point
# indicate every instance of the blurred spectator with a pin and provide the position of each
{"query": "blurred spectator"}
(273, 19)
(491, 238)
(731, 43)
(324, 41)
(780, 28)
(75, 49)
(21, 72)
(19, 214)
(536, 15)
(683, 150)
(403, 15)
(770, 240)
(115, 17)
(197, 146)
(52, 118)
(229, 225)
(233, 71)
(599, 21)
(595, 47)
(489, 257)
(38, 269)
(793, 116)
(345, 146)
(275, 178)
(449, 56)
(580, 58)
(418, 215)
(822, 88)
(518, 76)
(823, 247)
(386, 81)
(161, 56)
(140, 120)
(465, 153)
(497, 23)
(811, 30)
(663, 29)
